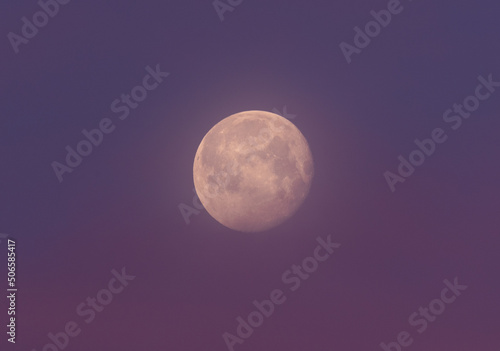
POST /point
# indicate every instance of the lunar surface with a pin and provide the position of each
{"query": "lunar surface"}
(253, 170)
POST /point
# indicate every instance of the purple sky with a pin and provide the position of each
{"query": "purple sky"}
(119, 207)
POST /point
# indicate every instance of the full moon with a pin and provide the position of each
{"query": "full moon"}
(253, 170)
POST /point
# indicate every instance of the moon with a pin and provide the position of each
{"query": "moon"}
(253, 170)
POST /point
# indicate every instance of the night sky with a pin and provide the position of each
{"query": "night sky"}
(117, 211)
